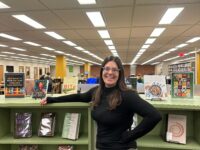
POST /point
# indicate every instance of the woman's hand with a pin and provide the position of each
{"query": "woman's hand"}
(43, 101)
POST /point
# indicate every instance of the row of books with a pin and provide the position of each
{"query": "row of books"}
(23, 125)
(17, 87)
(35, 147)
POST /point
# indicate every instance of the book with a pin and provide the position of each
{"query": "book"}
(155, 87)
(71, 126)
(182, 85)
(47, 124)
(176, 129)
(65, 147)
(23, 125)
(70, 85)
(28, 147)
(29, 86)
(40, 89)
(14, 85)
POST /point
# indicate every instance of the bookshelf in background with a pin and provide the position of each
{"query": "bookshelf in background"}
(181, 67)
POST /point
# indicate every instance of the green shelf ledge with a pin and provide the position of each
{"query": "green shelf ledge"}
(55, 140)
(158, 142)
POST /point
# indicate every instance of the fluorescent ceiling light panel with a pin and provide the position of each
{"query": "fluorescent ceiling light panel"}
(170, 15)
(18, 49)
(69, 43)
(193, 40)
(157, 32)
(79, 48)
(111, 47)
(172, 49)
(54, 35)
(86, 2)
(2, 5)
(145, 46)
(104, 34)
(32, 43)
(59, 52)
(96, 19)
(150, 40)
(7, 53)
(10, 37)
(181, 45)
(2, 45)
(108, 42)
(29, 21)
(22, 54)
(48, 48)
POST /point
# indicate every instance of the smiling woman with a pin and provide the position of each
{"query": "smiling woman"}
(114, 106)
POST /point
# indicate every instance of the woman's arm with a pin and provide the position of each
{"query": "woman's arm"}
(81, 97)
(150, 115)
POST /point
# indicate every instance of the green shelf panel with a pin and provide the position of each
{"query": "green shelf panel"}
(55, 140)
(158, 142)
(32, 103)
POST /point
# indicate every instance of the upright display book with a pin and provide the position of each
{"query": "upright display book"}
(65, 147)
(29, 86)
(182, 85)
(176, 129)
(28, 147)
(47, 124)
(70, 85)
(155, 87)
(71, 126)
(40, 89)
(23, 125)
(14, 85)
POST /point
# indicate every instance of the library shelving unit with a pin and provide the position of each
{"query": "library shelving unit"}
(8, 107)
(155, 140)
(181, 67)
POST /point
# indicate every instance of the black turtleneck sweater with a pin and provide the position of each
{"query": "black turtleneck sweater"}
(113, 125)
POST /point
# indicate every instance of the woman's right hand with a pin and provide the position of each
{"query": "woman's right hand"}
(43, 101)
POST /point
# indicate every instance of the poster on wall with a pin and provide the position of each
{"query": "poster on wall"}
(21, 69)
(35, 72)
(182, 85)
(71, 69)
(14, 85)
(155, 87)
(27, 72)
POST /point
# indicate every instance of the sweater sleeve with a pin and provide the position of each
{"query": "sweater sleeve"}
(150, 115)
(81, 97)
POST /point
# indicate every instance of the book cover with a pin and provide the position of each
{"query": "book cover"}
(70, 85)
(176, 129)
(40, 89)
(65, 147)
(23, 125)
(29, 86)
(155, 86)
(47, 124)
(182, 85)
(28, 147)
(14, 85)
(71, 126)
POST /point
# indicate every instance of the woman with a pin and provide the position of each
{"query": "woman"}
(113, 108)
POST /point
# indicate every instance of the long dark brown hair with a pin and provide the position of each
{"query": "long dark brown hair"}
(115, 98)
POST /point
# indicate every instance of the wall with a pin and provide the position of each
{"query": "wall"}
(145, 70)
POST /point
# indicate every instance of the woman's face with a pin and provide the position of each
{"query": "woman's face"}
(110, 74)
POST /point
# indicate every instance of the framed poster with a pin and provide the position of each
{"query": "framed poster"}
(182, 85)
(40, 71)
(10, 68)
(46, 70)
(14, 85)
(35, 72)
(21, 69)
(27, 72)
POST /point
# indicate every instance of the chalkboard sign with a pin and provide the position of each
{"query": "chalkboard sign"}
(14, 85)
